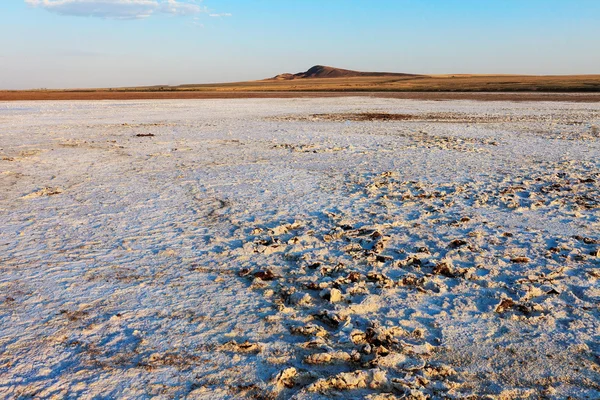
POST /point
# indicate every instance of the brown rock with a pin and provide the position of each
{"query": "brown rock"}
(266, 275)
(504, 305)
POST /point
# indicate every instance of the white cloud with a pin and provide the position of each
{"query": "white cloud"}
(220, 15)
(118, 9)
(179, 8)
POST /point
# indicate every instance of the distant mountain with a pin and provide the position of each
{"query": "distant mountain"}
(322, 71)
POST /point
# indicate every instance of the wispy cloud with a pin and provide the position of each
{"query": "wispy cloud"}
(196, 22)
(220, 15)
(118, 9)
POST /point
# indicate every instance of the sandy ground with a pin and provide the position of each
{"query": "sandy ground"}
(294, 248)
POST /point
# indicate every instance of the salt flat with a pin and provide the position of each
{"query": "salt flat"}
(299, 248)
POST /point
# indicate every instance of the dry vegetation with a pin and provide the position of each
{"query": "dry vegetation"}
(434, 87)
(236, 94)
(433, 83)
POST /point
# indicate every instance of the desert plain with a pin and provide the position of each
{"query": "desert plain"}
(305, 248)
(324, 81)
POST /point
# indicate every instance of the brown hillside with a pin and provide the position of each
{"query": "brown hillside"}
(322, 71)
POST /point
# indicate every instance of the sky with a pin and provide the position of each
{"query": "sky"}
(114, 43)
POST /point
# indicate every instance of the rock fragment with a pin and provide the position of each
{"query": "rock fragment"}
(375, 379)
(286, 378)
(332, 295)
(266, 275)
(445, 268)
(245, 347)
(504, 305)
(310, 330)
(457, 243)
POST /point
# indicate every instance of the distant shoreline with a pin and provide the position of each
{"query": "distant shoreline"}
(48, 95)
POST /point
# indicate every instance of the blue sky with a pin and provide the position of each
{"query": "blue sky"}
(108, 43)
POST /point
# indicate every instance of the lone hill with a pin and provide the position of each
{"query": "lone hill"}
(322, 71)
